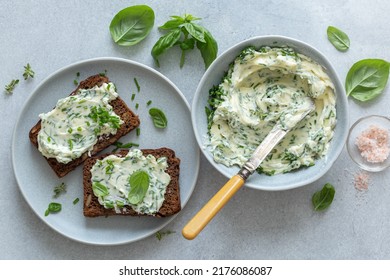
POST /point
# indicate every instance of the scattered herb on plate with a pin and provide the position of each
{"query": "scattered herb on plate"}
(132, 24)
(338, 38)
(182, 31)
(76, 200)
(120, 145)
(139, 185)
(161, 234)
(9, 89)
(28, 72)
(137, 84)
(158, 117)
(367, 79)
(59, 189)
(323, 198)
(53, 207)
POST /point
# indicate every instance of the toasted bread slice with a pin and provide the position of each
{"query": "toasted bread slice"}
(131, 121)
(171, 204)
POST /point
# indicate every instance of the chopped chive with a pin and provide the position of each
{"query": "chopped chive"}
(70, 144)
(75, 82)
(132, 96)
(76, 201)
(149, 102)
(136, 106)
(78, 74)
(138, 131)
(137, 85)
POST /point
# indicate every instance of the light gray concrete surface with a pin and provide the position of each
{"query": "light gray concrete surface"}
(255, 224)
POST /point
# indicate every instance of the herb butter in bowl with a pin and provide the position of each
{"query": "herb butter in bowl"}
(254, 85)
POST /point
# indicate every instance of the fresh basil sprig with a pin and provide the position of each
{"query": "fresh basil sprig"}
(367, 79)
(158, 117)
(338, 38)
(132, 24)
(139, 184)
(186, 34)
(323, 198)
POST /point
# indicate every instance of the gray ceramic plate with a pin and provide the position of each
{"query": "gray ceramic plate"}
(36, 179)
(290, 180)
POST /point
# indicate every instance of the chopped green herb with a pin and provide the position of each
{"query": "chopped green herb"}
(109, 167)
(137, 85)
(136, 106)
(78, 74)
(28, 72)
(161, 234)
(120, 145)
(132, 97)
(53, 207)
(70, 142)
(11, 86)
(149, 102)
(76, 201)
(75, 82)
(59, 189)
(102, 116)
(138, 131)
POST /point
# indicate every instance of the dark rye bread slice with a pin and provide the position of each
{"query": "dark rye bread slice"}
(171, 204)
(131, 121)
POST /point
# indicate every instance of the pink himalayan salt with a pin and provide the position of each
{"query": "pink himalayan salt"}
(361, 181)
(373, 144)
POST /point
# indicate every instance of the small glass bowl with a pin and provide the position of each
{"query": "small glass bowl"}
(356, 129)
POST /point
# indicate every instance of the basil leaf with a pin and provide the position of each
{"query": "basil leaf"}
(338, 38)
(367, 79)
(139, 184)
(164, 43)
(99, 189)
(323, 198)
(173, 23)
(195, 31)
(208, 50)
(159, 118)
(53, 207)
(132, 24)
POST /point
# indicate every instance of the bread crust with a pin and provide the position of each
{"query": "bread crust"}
(171, 204)
(131, 121)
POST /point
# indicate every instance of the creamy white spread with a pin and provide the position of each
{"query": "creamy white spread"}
(113, 175)
(74, 126)
(265, 87)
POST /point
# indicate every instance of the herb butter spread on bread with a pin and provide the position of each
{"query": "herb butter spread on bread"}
(75, 124)
(112, 181)
(132, 182)
(92, 118)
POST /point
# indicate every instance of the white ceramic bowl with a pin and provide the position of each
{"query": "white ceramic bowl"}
(290, 180)
(357, 128)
